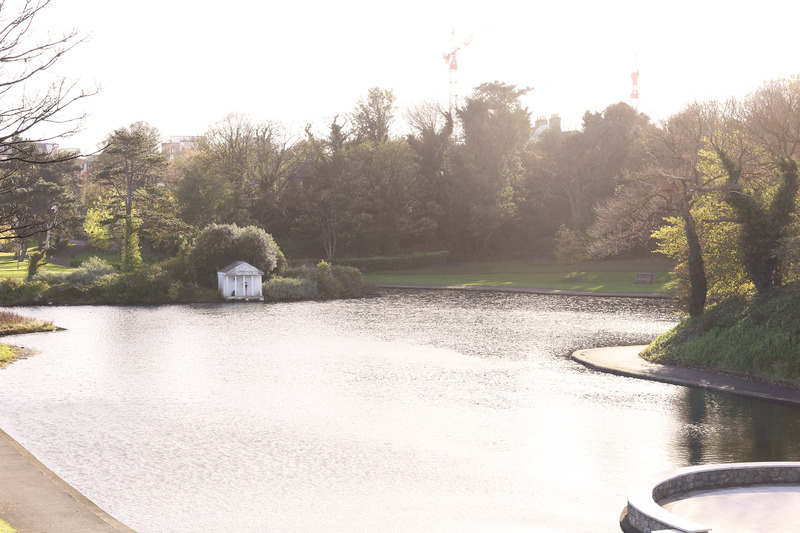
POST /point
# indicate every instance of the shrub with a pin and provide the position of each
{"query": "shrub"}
(90, 271)
(335, 281)
(280, 288)
(148, 284)
(350, 280)
(22, 292)
(570, 248)
(174, 291)
(51, 278)
(327, 284)
(330, 281)
(63, 293)
(183, 292)
(8, 286)
(171, 265)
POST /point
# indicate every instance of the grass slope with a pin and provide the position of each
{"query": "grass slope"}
(753, 336)
(595, 276)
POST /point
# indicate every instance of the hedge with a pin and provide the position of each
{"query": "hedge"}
(397, 262)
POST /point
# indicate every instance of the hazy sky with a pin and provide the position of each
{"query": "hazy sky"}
(182, 65)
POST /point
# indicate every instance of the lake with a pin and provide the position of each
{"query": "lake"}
(414, 411)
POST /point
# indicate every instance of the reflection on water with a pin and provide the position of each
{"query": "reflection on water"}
(726, 428)
(415, 411)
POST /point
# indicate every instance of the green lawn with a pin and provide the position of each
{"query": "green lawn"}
(111, 257)
(10, 268)
(596, 276)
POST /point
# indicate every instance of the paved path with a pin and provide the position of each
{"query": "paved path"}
(63, 258)
(35, 500)
(625, 361)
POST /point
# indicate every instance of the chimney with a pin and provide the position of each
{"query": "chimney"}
(540, 121)
(555, 122)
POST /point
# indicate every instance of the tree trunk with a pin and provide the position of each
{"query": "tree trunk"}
(698, 284)
(328, 234)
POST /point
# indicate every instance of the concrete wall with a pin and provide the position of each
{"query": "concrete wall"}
(645, 515)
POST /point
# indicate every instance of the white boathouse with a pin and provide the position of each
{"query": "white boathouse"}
(240, 281)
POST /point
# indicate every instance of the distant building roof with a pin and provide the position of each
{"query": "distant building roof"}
(542, 125)
(240, 268)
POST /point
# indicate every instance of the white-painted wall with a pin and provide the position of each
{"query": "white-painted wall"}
(240, 287)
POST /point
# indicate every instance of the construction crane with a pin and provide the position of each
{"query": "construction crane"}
(635, 90)
(451, 59)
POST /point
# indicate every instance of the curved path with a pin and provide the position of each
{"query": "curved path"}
(625, 361)
(63, 257)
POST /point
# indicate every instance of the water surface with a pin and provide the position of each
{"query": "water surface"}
(416, 411)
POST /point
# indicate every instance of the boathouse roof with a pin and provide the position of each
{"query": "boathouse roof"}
(240, 268)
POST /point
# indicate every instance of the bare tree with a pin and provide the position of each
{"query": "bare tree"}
(31, 117)
(669, 187)
(771, 117)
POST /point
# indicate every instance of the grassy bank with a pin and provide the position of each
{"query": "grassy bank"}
(5, 528)
(595, 276)
(12, 323)
(7, 355)
(757, 337)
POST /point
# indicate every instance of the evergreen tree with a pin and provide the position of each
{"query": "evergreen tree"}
(763, 226)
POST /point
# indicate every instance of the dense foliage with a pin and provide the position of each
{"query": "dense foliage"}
(720, 194)
(97, 282)
(321, 282)
(750, 335)
(479, 181)
(715, 185)
(219, 245)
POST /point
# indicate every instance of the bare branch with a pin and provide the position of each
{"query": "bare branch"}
(26, 58)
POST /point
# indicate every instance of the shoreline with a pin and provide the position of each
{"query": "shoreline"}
(530, 290)
(625, 361)
(33, 498)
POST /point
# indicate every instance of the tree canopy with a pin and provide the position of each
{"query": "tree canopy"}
(219, 245)
(130, 165)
